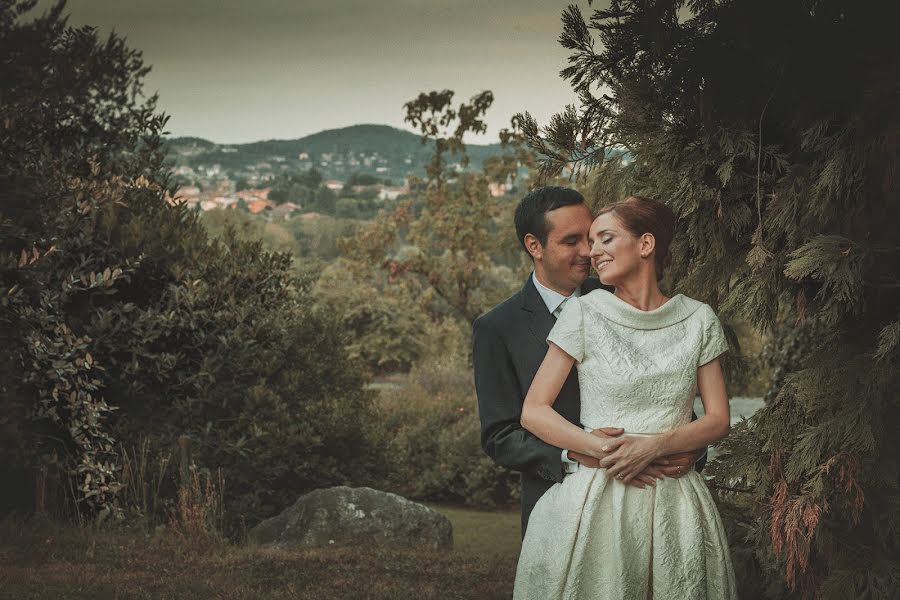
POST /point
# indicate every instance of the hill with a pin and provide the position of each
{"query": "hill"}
(379, 150)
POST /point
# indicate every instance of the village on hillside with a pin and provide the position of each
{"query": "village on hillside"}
(223, 195)
(352, 172)
(212, 189)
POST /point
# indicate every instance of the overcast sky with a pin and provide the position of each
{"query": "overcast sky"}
(238, 71)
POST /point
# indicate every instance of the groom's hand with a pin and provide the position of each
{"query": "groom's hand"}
(584, 460)
(674, 465)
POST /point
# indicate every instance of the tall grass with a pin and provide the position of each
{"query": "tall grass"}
(145, 478)
(198, 516)
(159, 490)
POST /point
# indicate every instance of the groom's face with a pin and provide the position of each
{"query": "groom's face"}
(564, 262)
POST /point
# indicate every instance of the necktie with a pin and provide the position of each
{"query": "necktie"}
(559, 308)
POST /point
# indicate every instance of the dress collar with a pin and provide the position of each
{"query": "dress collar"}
(678, 308)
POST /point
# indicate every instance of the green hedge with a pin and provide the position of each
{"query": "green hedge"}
(434, 449)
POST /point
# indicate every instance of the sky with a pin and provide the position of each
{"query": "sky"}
(239, 71)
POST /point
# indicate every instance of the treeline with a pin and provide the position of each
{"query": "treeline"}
(398, 151)
(358, 198)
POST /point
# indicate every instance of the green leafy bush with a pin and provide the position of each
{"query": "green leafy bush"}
(434, 447)
(120, 318)
(275, 237)
(386, 329)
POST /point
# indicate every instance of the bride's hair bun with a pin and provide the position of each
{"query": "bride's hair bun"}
(644, 215)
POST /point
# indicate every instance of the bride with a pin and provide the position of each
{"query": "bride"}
(641, 358)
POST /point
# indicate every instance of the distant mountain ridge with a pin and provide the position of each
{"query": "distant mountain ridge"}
(377, 149)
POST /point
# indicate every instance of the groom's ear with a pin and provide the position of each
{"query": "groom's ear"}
(533, 246)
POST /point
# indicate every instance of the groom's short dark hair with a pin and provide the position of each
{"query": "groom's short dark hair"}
(531, 213)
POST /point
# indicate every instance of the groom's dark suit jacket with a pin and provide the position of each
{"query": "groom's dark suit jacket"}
(509, 344)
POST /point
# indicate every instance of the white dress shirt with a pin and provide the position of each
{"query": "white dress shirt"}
(554, 300)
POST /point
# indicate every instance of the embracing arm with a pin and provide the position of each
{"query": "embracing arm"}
(500, 408)
(538, 415)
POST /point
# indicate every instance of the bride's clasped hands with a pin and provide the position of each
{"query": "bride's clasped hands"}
(627, 456)
(623, 456)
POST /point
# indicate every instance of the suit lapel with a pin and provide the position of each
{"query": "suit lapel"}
(540, 321)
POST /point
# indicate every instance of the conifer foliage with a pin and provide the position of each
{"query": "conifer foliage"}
(771, 128)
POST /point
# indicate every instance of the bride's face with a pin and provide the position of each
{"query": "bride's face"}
(616, 253)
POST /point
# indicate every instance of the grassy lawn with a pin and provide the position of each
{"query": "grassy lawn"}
(484, 534)
(49, 560)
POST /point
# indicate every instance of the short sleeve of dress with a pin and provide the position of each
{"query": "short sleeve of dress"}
(568, 333)
(714, 342)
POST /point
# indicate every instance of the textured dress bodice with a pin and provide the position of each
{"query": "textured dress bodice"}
(637, 369)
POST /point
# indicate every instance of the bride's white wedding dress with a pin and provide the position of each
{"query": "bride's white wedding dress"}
(594, 537)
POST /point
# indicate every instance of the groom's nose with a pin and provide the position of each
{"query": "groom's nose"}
(584, 248)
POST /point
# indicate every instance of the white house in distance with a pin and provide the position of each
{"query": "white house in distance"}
(392, 193)
(225, 201)
(497, 189)
(284, 211)
(334, 185)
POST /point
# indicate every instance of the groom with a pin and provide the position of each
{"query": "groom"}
(509, 344)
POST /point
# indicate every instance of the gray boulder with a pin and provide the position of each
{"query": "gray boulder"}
(348, 516)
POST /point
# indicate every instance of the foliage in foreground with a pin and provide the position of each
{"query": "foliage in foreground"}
(435, 449)
(440, 243)
(777, 148)
(120, 318)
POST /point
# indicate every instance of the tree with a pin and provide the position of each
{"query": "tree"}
(439, 243)
(120, 318)
(300, 189)
(274, 237)
(311, 178)
(362, 179)
(71, 119)
(324, 201)
(777, 148)
(386, 329)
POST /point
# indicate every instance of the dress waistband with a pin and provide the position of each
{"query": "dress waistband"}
(634, 433)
